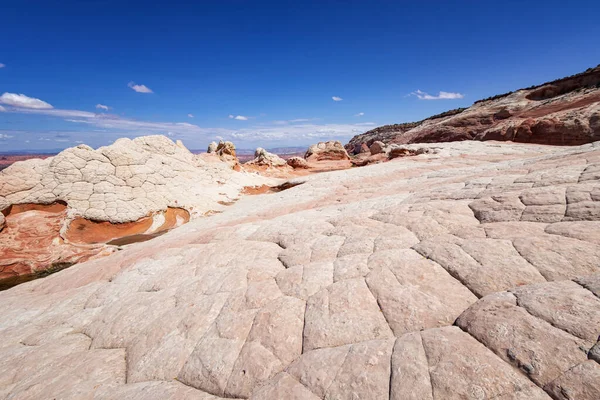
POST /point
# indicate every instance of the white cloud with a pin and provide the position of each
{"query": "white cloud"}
(191, 115)
(114, 126)
(102, 107)
(22, 101)
(336, 98)
(2, 65)
(62, 113)
(360, 114)
(441, 96)
(293, 121)
(3, 136)
(238, 117)
(2, 109)
(140, 88)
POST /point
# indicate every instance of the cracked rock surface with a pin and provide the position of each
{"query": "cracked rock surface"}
(471, 272)
(125, 181)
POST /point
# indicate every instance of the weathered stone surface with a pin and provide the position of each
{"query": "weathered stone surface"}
(558, 257)
(377, 147)
(410, 370)
(152, 390)
(132, 189)
(125, 181)
(461, 367)
(483, 265)
(346, 312)
(297, 162)
(284, 387)
(415, 293)
(590, 282)
(264, 158)
(565, 305)
(580, 382)
(395, 151)
(323, 291)
(212, 147)
(326, 151)
(540, 350)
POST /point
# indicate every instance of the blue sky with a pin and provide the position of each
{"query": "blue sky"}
(275, 65)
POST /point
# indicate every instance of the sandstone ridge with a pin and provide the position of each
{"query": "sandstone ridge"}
(562, 112)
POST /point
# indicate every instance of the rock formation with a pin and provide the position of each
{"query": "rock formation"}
(297, 163)
(84, 197)
(562, 112)
(212, 147)
(226, 151)
(394, 151)
(468, 273)
(377, 147)
(264, 158)
(326, 151)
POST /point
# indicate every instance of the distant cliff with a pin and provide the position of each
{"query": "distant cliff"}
(565, 111)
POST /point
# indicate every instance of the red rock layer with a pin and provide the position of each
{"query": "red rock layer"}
(31, 242)
(81, 230)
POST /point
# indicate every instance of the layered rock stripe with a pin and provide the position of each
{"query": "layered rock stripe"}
(562, 112)
(468, 273)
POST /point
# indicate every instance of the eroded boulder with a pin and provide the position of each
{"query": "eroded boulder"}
(263, 158)
(326, 151)
(297, 163)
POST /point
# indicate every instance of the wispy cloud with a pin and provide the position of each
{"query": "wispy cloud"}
(2, 65)
(441, 96)
(238, 117)
(190, 115)
(302, 130)
(2, 109)
(360, 114)
(140, 88)
(22, 101)
(4, 137)
(293, 121)
(102, 107)
(336, 98)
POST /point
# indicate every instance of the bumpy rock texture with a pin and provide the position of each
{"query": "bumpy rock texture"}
(263, 157)
(125, 181)
(469, 273)
(56, 211)
(297, 163)
(326, 151)
(562, 112)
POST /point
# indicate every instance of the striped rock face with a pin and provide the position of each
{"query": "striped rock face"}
(468, 272)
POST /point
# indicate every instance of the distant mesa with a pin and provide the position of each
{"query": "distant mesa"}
(562, 112)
